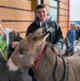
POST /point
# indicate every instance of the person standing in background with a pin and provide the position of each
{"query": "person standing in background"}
(70, 38)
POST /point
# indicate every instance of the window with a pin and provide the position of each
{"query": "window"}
(53, 3)
(39, 1)
(53, 9)
(53, 13)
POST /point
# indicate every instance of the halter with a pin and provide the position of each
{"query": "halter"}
(36, 62)
(16, 63)
(20, 66)
(39, 57)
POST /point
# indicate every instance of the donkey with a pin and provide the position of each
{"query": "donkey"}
(34, 51)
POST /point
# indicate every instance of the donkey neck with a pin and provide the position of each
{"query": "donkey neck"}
(39, 56)
(46, 66)
(46, 63)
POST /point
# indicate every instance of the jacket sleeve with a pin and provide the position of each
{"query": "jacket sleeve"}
(59, 40)
(15, 36)
(30, 29)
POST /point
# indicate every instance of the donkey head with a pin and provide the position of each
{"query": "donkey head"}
(26, 52)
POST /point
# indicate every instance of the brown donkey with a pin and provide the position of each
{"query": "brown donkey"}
(35, 52)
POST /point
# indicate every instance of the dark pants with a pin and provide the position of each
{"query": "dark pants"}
(33, 79)
(30, 73)
(68, 50)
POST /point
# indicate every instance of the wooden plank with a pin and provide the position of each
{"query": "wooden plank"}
(24, 4)
(11, 14)
(63, 18)
(63, 24)
(63, 12)
(17, 26)
(64, 6)
(64, 31)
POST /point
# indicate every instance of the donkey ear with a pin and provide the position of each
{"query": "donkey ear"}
(42, 36)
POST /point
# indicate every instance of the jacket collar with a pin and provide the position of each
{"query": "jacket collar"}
(38, 22)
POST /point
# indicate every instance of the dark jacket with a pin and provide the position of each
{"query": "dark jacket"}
(78, 33)
(55, 36)
(5, 74)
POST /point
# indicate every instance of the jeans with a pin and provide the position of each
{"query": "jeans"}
(68, 49)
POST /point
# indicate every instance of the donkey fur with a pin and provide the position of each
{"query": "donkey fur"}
(28, 50)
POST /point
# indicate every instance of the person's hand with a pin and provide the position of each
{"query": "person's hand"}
(14, 44)
(56, 50)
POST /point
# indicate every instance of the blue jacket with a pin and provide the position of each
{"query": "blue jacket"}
(71, 35)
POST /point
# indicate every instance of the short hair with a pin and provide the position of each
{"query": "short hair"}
(73, 25)
(40, 6)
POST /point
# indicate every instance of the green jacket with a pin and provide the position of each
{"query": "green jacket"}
(55, 37)
(11, 36)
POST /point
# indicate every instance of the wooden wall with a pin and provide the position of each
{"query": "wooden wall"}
(63, 16)
(16, 14)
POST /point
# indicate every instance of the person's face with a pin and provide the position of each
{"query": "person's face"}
(42, 14)
(1, 30)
